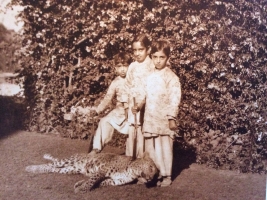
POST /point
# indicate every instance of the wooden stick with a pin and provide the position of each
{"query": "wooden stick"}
(91, 137)
(135, 133)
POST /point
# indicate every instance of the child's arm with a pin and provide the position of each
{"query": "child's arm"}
(124, 98)
(129, 78)
(172, 124)
(107, 98)
(174, 94)
(135, 109)
(126, 107)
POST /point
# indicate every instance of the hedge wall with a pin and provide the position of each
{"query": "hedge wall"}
(218, 51)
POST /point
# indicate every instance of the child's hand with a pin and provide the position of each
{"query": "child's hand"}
(172, 125)
(135, 109)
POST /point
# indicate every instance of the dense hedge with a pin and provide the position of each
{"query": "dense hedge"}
(218, 51)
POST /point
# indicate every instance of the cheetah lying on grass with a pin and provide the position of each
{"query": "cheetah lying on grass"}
(102, 169)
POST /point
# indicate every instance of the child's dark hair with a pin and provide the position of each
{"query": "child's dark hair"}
(161, 45)
(143, 39)
(122, 58)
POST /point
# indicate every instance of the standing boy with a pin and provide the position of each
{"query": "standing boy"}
(117, 118)
(163, 94)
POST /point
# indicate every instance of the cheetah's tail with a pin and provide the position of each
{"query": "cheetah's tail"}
(45, 168)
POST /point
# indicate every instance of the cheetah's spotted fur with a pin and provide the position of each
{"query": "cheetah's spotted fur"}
(102, 169)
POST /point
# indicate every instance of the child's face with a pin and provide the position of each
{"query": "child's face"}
(121, 69)
(159, 59)
(140, 52)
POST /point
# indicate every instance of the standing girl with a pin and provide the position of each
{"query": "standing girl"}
(135, 82)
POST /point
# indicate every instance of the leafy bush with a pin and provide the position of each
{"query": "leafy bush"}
(218, 52)
(10, 43)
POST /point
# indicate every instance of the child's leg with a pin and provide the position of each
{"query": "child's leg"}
(163, 148)
(150, 148)
(161, 152)
(163, 156)
(103, 133)
(167, 152)
(140, 143)
(158, 155)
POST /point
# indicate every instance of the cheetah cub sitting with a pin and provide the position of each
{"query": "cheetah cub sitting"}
(102, 169)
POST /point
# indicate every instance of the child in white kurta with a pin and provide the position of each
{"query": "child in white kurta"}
(162, 98)
(117, 118)
(137, 73)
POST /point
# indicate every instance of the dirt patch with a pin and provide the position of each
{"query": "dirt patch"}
(191, 181)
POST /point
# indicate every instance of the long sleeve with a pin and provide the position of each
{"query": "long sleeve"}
(107, 98)
(174, 97)
(136, 76)
(163, 95)
(129, 78)
(135, 83)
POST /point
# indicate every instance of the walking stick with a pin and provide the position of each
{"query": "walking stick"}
(135, 133)
(91, 137)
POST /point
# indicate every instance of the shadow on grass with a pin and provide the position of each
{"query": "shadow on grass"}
(183, 157)
(7, 131)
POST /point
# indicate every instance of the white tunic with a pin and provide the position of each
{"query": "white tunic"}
(135, 82)
(163, 95)
(117, 115)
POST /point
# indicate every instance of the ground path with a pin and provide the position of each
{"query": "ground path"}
(20, 148)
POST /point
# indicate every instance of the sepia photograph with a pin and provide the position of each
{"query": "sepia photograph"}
(133, 99)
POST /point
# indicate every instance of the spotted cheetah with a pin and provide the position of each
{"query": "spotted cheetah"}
(103, 169)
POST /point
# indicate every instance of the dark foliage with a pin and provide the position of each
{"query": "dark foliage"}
(10, 45)
(218, 51)
(12, 110)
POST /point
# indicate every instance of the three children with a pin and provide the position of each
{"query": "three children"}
(151, 84)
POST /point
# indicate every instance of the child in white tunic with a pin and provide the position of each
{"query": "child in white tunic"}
(117, 118)
(137, 73)
(162, 98)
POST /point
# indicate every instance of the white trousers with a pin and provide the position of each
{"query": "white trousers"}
(160, 149)
(103, 134)
(106, 126)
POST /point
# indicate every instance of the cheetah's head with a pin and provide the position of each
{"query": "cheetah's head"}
(148, 169)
